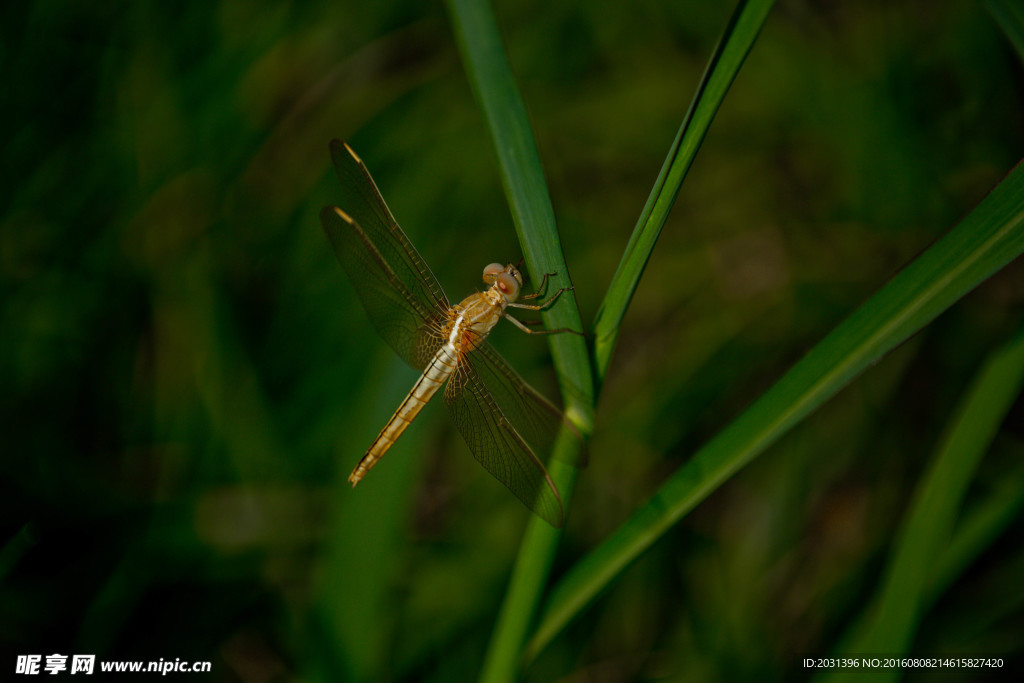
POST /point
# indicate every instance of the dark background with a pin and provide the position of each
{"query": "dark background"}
(187, 376)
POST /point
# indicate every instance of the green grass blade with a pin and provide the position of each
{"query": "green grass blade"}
(929, 524)
(732, 49)
(987, 239)
(523, 179)
(1010, 17)
(978, 529)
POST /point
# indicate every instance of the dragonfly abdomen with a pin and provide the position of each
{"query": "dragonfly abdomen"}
(435, 374)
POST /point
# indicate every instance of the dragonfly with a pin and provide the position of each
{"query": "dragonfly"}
(505, 422)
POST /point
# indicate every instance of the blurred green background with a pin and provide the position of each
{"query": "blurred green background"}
(188, 377)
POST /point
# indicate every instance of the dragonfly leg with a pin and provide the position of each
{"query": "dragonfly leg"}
(523, 326)
(542, 305)
(539, 289)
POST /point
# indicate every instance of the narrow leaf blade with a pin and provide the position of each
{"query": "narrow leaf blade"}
(985, 241)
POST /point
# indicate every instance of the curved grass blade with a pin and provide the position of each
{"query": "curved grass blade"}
(523, 179)
(985, 240)
(978, 528)
(732, 49)
(526, 190)
(928, 528)
(1010, 17)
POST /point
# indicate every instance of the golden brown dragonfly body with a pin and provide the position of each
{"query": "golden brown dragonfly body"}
(505, 422)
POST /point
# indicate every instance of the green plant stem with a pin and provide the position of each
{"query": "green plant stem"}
(494, 86)
(523, 179)
(529, 576)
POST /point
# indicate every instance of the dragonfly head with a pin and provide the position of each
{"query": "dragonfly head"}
(507, 279)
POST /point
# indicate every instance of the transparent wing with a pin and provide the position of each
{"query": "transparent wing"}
(506, 424)
(532, 415)
(402, 297)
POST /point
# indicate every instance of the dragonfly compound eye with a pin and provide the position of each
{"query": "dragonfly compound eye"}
(508, 285)
(491, 272)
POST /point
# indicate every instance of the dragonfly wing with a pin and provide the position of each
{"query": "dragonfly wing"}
(506, 423)
(402, 297)
(363, 202)
(533, 416)
(405, 322)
